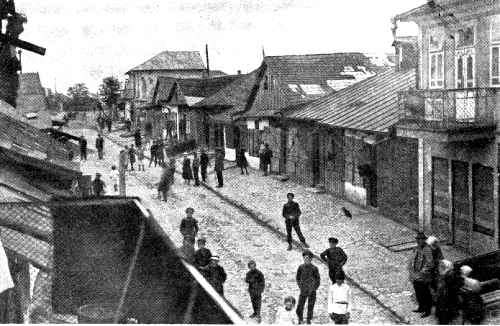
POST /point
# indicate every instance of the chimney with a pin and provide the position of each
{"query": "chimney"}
(239, 72)
(208, 62)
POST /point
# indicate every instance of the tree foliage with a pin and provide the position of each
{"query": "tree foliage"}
(79, 92)
(110, 90)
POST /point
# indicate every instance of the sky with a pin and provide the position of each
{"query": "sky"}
(92, 39)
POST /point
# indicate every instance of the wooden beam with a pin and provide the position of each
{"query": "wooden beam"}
(22, 44)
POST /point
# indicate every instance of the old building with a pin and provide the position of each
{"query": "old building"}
(345, 143)
(288, 82)
(31, 102)
(453, 115)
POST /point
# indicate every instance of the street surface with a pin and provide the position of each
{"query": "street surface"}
(235, 237)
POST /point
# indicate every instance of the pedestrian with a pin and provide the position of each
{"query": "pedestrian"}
(152, 153)
(421, 266)
(187, 174)
(128, 124)
(308, 280)
(202, 256)
(339, 299)
(131, 156)
(83, 148)
(109, 122)
(98, 185)
(124, 158)
(196, 168)
(437, 256)
(287, 315)
(99, 145)
(216, 275)
(140, 159)
(137, 138)
(164, 184)
(291, 212)
(256, 285)
(241, 161)
(335, 257)
(204, 163)
(159, 152)
(266, 159)
(114, 177)
(189, 225)
(219, 167)
(262, 148)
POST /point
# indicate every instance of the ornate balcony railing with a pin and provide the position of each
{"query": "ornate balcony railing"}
(449, 109)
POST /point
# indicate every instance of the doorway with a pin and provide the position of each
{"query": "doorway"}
(460, 225)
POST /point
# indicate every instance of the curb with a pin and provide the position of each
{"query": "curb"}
(255, 217)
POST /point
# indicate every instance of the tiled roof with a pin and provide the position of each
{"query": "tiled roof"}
(370, 105)
(234, 98)
(189, 87)
(173, 60)
(39, 119)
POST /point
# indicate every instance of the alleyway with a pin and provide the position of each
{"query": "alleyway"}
(236, 238)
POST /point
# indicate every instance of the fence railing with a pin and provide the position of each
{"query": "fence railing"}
(450, 108)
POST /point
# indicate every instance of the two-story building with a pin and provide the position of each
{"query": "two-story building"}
(453, 114)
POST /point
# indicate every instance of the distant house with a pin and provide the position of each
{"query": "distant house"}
(31, 102)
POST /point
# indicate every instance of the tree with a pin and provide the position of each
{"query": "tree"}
(79, 94)
(110, 91)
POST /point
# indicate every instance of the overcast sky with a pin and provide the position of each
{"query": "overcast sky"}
(91, 39)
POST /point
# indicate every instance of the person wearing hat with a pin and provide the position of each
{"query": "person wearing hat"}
(308, 280)
(187, 174)
(335, 257)
(216, 275)
(420, 270)
(219, 167)
(202, 256)
(256, 285)
(98, 185)
(189, 225)
(291, 212)
(339, 300)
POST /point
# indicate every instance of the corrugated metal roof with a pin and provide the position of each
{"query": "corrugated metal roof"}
(173, 60)
(370, 105)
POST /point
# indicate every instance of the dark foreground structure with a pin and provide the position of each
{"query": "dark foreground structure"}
(109, 261)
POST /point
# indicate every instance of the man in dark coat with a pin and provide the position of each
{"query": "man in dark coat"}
(335, 257)
(241, 161)
(216, 275)
(266, 159)
(204, 163)
(256, 284)
(219, 167)
(153, 149)
(109, 122)
(189, 225)
(159, 152)
(195, 167)
(308, 280)
(83, 148)
(98, 185)
(420, 270)
(291, 212)
(99, 145)
(131, 156)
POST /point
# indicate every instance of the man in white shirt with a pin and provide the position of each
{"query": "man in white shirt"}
(339, 300)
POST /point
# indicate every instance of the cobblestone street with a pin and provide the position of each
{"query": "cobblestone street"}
(236, 238)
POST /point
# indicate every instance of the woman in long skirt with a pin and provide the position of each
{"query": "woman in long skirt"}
(187, 174)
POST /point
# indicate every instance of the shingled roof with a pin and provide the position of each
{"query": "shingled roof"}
(173, 60)
(370, 105)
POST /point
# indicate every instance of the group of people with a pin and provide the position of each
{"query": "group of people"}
(438, 282)
(104, 121)
(191, 169)
(307, 278)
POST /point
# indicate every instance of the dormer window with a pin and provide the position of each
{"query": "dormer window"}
(465, 37)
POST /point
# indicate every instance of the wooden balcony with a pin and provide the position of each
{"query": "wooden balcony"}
(450, 115)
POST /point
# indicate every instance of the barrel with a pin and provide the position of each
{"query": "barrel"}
(99, 313)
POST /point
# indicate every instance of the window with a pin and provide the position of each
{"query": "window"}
(266, 82)
(495, 51)
(465, 70)
(465, 37)
(143, 87)
(436, 70)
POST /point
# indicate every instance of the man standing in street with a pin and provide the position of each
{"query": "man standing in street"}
(266, 159)
(83, 148)
(195, 167)
(335, 257)
(256, 285)
(137, 138)
(109, 122)
(131, 156)
(204, 163)
(99, 145)
(219, 167)
(421, 266)
(291, 212)
(152, 152)
(98, 185)
(308, 280)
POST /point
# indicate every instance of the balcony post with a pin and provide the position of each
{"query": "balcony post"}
(424, 185)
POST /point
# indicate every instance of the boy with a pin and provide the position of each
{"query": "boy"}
(291, 212)
(98, 185)
(202, 255)
(339, 300)
(286, 315)
(140, 158)
(308, 280)
(335, 257)
(189, 225)
(256, 284)
(216, 275)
